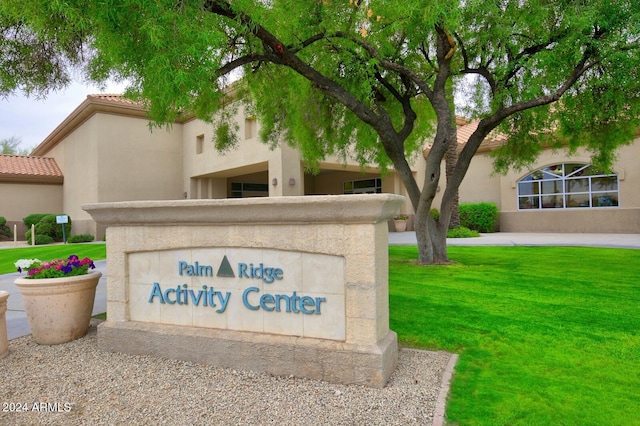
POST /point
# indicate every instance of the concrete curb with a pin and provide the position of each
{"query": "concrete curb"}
(441, 402)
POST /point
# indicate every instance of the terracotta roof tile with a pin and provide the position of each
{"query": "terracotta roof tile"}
(18, 167)
(466, 129)
(115, 98)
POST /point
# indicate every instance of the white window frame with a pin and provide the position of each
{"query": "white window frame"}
(543, 197)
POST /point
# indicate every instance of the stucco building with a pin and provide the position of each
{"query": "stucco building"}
(105, 151)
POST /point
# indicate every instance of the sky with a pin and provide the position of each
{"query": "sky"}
(32, 120)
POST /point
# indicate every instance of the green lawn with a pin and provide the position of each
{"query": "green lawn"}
(8, 256)
(546, 335)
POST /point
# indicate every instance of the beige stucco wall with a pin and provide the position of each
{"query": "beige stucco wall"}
(207, 172)
(76, 156)
(113, 157)
(622, 219)
(480, 184)
(117, 158)
(136, 163)
(18, 200)
(249, 156)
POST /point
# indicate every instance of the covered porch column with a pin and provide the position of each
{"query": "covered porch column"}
(286, 175)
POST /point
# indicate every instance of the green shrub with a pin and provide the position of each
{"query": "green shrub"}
(462, 232)
(435, 213)
(481, 217)
(42, 239)
(5, 231)
(33, 219)
(80, 238)
(48, 226)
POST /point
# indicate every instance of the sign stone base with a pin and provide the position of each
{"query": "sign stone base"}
(289, 285)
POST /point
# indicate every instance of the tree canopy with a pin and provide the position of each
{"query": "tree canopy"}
(374, 79)
(12, 146)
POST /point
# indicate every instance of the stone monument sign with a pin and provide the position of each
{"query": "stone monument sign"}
(288, 285)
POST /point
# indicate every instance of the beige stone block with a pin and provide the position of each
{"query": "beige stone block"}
(322, 274)
(117, 310)
(142, 265)
(140, 308)
(360, 269)
(176, 314)
(362, 331)
(4, 341)
(286, 323)
(290, 262)
(247, 319)
(360, 239)
(331, 323)
(209, 317)
(117, 261)
(337, 367)
(382, 297)
(382, 325)
(331, 239)
(209, 236)
(362, 302)
(117, 289)
(169, 263)
(369, 365)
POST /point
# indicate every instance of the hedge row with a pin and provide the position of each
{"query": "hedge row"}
(46, 228)
(5, 231)
(49, 231)
(480, 217)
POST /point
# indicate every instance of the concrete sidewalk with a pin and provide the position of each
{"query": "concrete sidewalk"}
(529, 239)
(17, 322)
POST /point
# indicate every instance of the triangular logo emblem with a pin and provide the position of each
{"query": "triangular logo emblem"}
(225, 269)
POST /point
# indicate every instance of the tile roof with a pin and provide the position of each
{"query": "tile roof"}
(466, 129)
(492, 140)
(19, 168)
(116, 98)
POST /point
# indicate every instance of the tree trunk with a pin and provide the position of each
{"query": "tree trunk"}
(451, 158)
(432, 241)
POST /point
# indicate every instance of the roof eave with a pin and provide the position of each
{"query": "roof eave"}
(82, 113)
(33, 179)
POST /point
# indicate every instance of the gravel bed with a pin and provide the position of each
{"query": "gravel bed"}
(77, 384)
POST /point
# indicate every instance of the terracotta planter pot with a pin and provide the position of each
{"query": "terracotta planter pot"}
(400, 225)
(59, 309)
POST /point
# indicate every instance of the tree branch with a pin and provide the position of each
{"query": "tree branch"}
(490, 123)
(243, 60)
(388, 65)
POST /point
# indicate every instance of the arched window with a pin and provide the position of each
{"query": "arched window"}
(567, 185)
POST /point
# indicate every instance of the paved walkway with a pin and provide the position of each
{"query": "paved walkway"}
(530, 239)
(17, 322)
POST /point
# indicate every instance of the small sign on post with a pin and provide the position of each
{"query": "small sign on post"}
(63, 219)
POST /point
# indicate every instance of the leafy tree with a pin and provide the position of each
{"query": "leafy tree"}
(374, 79)
(12, 146)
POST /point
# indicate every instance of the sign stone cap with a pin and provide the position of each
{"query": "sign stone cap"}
(357, 208)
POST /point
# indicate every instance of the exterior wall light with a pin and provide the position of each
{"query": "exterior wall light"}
(274, 181)
(292, 181)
